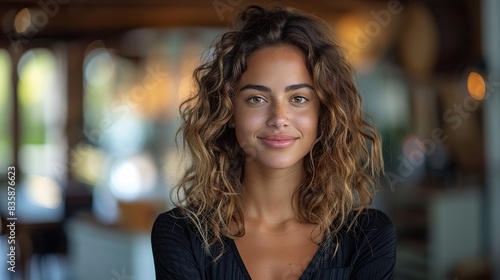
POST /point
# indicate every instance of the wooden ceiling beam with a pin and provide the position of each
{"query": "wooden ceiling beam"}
(96, 16)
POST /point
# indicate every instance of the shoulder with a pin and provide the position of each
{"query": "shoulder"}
(367, 245)
(173, 234)
(373, 219)
(177, 252)
(374, 237)
(172, 222)
(373, 226)
(172, 225)
(366, 231)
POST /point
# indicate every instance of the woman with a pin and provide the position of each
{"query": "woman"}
(283, 166)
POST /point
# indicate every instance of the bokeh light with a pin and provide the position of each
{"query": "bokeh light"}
(44, 192)
(99, 68)
(133, 177)
(22, 21)
(476, 86)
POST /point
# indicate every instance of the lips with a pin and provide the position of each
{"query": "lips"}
(278, 141)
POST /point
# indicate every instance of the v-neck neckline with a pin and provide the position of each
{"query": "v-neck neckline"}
(243, 268)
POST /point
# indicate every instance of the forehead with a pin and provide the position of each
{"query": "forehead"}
(276, 53)
(276, 64)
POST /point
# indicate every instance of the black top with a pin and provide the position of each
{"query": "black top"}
(366, 252)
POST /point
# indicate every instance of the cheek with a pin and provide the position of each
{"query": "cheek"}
(309, 123)
(247, 122)
(244, 127)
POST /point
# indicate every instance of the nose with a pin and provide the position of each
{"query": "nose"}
(278, 116)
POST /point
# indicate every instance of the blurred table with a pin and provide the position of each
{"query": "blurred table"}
(99, 251)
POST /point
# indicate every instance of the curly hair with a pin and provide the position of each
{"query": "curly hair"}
(344, 164)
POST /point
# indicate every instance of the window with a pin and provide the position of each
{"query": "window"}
(42, 113)
(6, 147)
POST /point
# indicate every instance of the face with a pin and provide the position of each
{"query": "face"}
(276, 109)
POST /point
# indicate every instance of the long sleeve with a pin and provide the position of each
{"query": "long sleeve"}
(172, 251)
(377, 249)
(366, 252)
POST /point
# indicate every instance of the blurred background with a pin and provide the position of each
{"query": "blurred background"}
(89, 96)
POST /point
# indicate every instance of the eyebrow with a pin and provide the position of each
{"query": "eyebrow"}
(266, 89)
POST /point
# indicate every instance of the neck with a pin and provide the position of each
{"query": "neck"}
(269, 192)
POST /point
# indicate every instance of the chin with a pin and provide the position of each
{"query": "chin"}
(279, 163)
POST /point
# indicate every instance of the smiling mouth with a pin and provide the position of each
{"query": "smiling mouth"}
(278, 141)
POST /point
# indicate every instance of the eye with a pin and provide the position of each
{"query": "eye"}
(255, 100)
(299, 99)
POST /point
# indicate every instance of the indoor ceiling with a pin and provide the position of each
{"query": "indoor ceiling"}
(73, 17)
